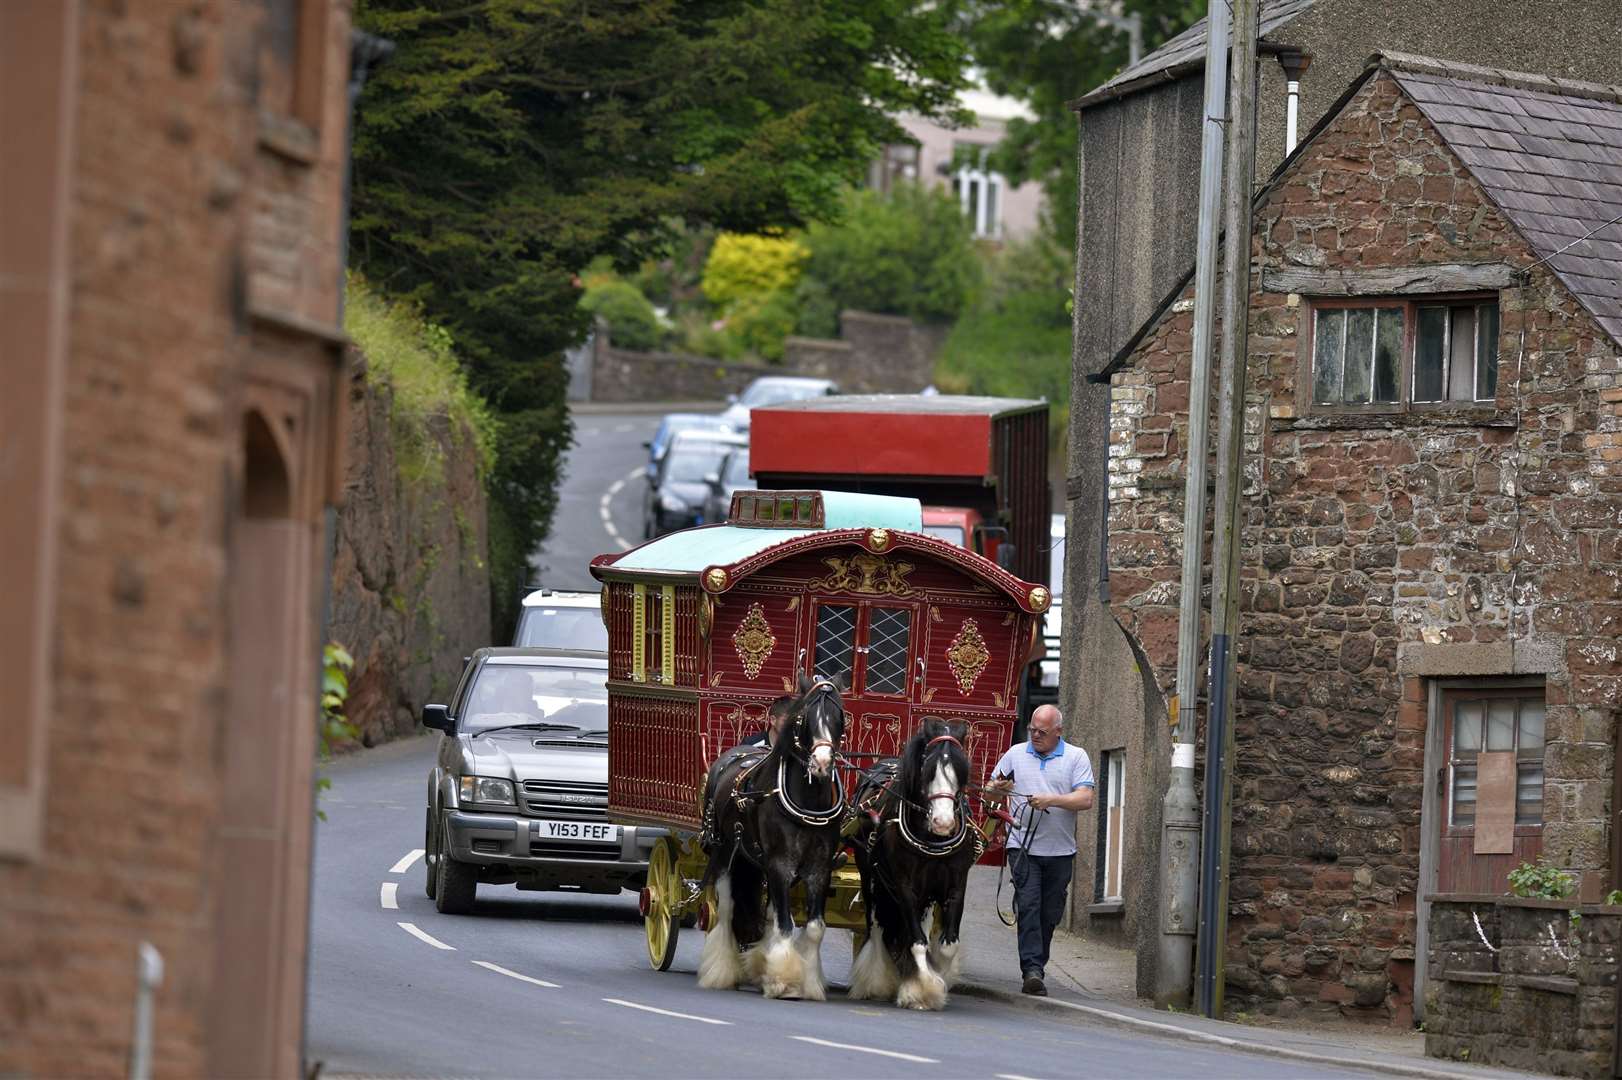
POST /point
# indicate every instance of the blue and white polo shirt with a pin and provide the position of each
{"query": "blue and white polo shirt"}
(1060, 773)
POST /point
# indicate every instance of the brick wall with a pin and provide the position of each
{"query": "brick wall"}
(1368, 538)
(171, 255)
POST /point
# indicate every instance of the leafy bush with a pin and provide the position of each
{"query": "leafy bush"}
(760, 322)
(632, 322)
(417, 360)
(1541, 880)
(818, 312)
(910, 252)
(740, 267)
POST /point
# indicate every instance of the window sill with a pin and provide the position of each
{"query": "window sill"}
(1427, 417)
(288, 138)
(1106, 907)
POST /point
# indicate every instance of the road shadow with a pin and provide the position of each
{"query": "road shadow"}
(557, 906)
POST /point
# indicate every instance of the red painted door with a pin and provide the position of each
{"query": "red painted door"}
(874, 643)
(1478, 721)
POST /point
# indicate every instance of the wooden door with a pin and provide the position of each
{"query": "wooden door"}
(1479, 722)
(874, 644)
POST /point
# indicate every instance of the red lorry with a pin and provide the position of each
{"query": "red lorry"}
(979, 465)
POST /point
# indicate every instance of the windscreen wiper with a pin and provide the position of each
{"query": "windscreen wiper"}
(526, 727)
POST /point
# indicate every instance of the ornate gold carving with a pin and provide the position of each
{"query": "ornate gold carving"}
(793, 603)
(788, 685)
(934, 613)
(1008, 619)
(1001, 701)
(716, 579)
(706, 614)
(1039, 599)
(754, 640)
(864, 573)
(715, 678)
(929, 695)
(879, 539)
(968, 656)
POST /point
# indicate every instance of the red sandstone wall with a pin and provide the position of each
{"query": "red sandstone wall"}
(1361, 538)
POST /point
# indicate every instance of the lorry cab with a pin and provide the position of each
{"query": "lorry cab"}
(967, 528)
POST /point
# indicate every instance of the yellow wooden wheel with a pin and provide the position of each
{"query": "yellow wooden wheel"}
(661, 902)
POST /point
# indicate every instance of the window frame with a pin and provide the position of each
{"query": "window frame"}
(1112, 803)
(1485, 693)
(864, 634)
(1306, 372)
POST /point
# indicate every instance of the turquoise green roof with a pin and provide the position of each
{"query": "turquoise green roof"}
(691, 550)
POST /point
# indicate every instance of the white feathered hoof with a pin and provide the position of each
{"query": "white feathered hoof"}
(808, 943)
(784, 974)
(719, 966)
(924, 990)
(947, 960)
(873, 974)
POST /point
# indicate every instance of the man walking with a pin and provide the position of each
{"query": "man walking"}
(1048, 781)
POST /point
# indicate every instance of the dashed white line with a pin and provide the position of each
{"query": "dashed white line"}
(499, 970)
(1013, 1076)
(405, 861)
(620, 429)
(386, 896)
(606, 512)
(667, 1012)
(421, 935)
(898, 1055)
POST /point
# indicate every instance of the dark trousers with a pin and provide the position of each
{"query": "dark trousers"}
(1040, 885)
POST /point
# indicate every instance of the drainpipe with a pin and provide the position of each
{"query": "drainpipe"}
(1295, 63)
(1180, 812)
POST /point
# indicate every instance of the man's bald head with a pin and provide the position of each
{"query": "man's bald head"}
(1048, 716)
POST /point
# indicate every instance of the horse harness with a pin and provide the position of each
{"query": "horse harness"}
(931, 848)
(743, 799)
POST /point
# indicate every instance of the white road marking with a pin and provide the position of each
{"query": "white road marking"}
(421, 935)
(499, 970)
(405, 862)
(606, 512)
(667, 1012)
(898, 1055)
(385, 896)
(1013, 1076)
(620, 429)
(591, 432)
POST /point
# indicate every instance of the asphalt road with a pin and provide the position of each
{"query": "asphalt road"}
(600, 504)
(558, 984)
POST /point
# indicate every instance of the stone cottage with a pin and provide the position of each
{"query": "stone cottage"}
(1139, 138)
(1429, 672)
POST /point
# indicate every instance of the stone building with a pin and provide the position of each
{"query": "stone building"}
(1139, 162)
(169, 271)
(1428, 673)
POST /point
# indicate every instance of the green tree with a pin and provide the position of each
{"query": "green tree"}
(1048, 53)
(910, 252)
(507, 143)
(631, 320)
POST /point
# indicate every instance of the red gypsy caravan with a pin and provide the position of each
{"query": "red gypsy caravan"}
(708, 626)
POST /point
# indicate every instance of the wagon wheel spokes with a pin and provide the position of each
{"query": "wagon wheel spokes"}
(662, 902)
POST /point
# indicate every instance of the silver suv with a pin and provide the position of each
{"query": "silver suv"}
(519, 790)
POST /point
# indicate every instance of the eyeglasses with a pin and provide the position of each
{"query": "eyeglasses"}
(1045, 733)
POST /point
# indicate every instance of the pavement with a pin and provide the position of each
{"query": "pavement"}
(1090, 981)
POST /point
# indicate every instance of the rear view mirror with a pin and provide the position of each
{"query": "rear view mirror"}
(439, 718)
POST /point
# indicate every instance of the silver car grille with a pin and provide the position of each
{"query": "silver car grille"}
(565, 800)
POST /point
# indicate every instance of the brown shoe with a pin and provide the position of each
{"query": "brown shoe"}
(1035, 986)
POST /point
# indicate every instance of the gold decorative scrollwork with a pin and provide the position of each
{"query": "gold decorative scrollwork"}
(879, 539)
(967, 656)
(1039, 599)
(716, 579)
(754, 640)
(864, 573)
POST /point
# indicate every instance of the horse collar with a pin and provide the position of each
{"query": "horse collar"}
(933, 848)
(815, 818)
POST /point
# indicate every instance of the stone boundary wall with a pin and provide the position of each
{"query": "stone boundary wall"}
(410, 576)
(874, 354)
(1539, 993)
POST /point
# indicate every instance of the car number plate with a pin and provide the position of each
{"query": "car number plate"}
(591, 831)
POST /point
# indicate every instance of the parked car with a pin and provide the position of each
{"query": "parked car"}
(550, 619)
(675, 498)
(732, 474)
(518, 793)
(773, 390)
(672, 423)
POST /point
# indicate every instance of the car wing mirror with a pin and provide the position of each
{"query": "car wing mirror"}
(714, 480)
(732, 399)
(647, 445)
(438, 717)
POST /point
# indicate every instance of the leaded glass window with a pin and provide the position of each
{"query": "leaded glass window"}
(888, 636)
(836, 640)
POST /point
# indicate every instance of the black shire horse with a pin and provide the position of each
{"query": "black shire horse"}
(914, 847)
(773, 818)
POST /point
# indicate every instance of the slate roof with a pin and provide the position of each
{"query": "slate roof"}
(1548, 152)
(1186, 52)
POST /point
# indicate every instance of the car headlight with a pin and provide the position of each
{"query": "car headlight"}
(487, 789)
(671, 503)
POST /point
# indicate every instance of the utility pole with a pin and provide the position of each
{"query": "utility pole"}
(1132, 24)
(1229, 524)
(1180, 818)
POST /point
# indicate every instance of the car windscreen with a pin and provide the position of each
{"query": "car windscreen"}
(952, 534)
(563, 628)
(690, 463)
(761, 394)
(506, 694)
(737, 469)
